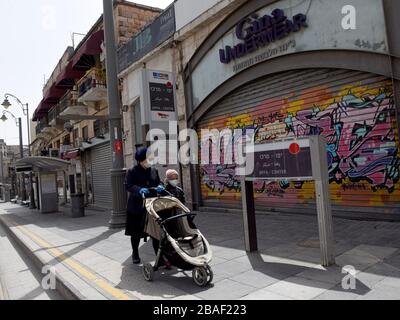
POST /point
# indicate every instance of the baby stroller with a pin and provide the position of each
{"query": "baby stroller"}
(181, 243)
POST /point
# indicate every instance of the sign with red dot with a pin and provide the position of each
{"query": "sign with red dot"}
(294, 148)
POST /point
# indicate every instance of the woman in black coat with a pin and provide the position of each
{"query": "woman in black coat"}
(138, 181)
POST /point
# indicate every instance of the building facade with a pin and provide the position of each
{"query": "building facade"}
(289, 70)
(72, 119)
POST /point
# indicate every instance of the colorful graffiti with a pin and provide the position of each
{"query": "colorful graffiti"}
(359, 125)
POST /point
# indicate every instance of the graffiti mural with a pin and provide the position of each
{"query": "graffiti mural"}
(359, 125)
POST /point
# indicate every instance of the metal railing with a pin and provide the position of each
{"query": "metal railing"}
(68, 100)
(94, 78)
(43, 124)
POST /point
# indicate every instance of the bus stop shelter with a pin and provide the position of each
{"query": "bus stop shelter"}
(45, 170)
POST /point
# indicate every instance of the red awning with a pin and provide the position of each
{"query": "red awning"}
(69, 155)
(41, 110)
(91, 47)
(68, 74)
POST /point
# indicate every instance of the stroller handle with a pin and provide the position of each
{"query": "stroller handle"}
(155, 190)
(178, 217)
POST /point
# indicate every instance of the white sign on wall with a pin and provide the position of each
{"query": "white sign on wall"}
(322, 30)
(158, 96)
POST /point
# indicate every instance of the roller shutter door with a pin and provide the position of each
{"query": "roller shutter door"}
(101, 166)
(355, 111)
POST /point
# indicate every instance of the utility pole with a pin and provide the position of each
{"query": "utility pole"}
(119, 194)
(21, 150)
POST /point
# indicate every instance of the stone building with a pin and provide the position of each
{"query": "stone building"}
(71, 120)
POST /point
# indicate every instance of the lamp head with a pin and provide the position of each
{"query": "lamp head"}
(4, 118)
(6, 104)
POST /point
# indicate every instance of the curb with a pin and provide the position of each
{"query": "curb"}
(67, 291)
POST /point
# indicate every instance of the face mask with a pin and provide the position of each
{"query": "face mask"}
(174, 183)
(146, 164)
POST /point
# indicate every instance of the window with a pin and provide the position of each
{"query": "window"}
(85, 133)
(67, 140)
(76, 134)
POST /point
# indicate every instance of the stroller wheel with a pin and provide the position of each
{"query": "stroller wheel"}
(200, 276)
(148, 272)
(210, 275)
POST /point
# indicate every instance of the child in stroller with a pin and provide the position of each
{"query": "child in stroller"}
(180, 242)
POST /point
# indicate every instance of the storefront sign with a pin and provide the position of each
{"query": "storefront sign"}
(160, 30)
(304, 26)
(289, 160)
(257, 32)
(158, 96)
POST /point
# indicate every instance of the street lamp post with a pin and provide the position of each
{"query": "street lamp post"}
(118, 214)
(18, 122)
(25, 109)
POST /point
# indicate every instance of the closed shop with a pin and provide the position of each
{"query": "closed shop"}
(101, 177)
(354, 110)
(289, 71)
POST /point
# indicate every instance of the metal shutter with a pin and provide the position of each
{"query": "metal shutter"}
(101, 166)
(354, 110)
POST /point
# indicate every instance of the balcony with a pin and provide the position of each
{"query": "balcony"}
(92, 87)
(54, 117)
(41, 127)
(69, 105)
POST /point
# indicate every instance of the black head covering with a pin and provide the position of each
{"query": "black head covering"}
(141, 155)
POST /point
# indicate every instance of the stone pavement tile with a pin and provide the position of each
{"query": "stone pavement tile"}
(332, 275)
(359, 262)
(337, 293)
(231, 268)
(377, 273)
(106, 266)
(228, 253)
(255, 279)
(271, 266)
(226, 290)
(92, 294)
(382, 292)
(113, 275)
(373, 251)
(390, 282)
(266, 295)
(284, 250)
(300, 288)
(216, 261)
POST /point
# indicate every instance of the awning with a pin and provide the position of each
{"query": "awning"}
(91, 47)
(41, 110)
(75, 69)
(43, 164)
(67, 77)
(72, 154)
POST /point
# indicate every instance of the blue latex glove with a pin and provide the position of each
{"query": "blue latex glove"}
(160, 189)
(144, 191)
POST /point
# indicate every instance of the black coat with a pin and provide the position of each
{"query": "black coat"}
(136, 179)
(176, 192)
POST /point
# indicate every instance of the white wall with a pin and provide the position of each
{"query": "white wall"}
(188, 10)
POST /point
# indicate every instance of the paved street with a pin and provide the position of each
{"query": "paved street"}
(19, 278)
(95, 263)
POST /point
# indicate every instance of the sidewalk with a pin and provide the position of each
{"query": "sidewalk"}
(94, 262)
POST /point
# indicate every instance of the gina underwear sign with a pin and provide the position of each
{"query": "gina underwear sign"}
(256, 32)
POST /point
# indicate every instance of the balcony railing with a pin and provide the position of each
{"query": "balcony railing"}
(92, 87)
(41, 126)
(54, 116)
(68, 100)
